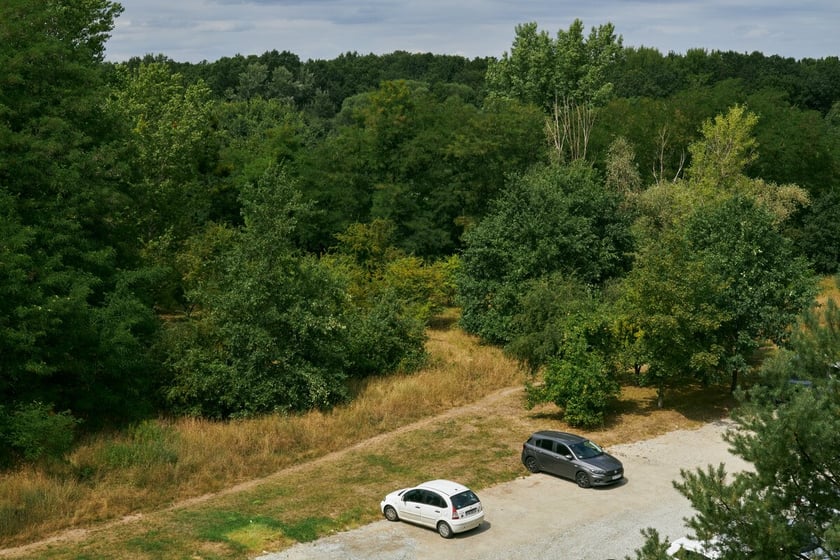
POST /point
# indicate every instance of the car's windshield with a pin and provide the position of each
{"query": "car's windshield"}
(586, 450)
(464, 499)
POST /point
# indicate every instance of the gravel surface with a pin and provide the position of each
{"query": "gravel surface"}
(541, 516)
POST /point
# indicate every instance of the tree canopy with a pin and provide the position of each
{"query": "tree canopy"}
(247, 235)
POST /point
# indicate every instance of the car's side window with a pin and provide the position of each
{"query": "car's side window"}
(545, 444)
(563, 450)
(414, 496)
(434, 500)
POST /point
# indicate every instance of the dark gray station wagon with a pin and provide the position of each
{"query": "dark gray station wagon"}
(571, 456)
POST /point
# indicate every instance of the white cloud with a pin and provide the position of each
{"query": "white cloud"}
(195, 30)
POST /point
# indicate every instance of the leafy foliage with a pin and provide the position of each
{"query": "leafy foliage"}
(136, 194)
(34, 431)
(428, 166)
(714, 278)
(274, 329)
(578, 381)
(540, 70)
(552, 219)
(76, 318)
(269, 333)
(550, 308)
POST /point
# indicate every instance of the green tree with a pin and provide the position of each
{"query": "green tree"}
(253, 136)
(712, 290)
(577, 380)
(426, 165)
(714, 277)
(76, 319)
(270, 334)
(174, 148)
(820, 229)
(552, 219)
(566, 76)
(789, 500)
(272, 328)
(551, 307)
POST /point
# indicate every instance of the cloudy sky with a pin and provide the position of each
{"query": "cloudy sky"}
(196, 30)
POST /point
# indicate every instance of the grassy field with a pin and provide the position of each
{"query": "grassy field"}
(202, 490)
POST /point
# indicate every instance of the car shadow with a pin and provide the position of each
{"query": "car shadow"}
(618, 484)
(481, 529)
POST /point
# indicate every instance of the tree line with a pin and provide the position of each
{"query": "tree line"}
(241, 237)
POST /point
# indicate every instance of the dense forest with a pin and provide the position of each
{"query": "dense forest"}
(245, 236)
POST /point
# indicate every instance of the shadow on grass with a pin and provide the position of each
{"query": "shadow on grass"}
(443, 322)
(702, 404)
(695, 403)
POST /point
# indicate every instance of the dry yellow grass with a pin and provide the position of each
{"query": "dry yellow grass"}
(191, 458)
(829, 289)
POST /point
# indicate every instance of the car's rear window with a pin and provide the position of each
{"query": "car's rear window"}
(464, 499)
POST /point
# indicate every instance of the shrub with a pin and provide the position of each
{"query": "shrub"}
(35, 431)
(578, 381)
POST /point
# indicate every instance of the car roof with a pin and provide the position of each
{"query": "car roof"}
(560, 436)
(447, 487)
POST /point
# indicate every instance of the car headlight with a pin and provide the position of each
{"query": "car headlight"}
(595, 470)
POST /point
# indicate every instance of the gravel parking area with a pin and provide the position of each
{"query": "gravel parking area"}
(541, 516)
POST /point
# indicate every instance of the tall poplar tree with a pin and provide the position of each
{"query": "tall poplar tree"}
(567, 76)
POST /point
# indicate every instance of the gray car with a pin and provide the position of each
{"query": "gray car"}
(571, 456)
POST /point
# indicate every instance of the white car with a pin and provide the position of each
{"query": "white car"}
(699, 549)
(444, 505)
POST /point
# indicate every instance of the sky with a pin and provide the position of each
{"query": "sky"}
(206, 30)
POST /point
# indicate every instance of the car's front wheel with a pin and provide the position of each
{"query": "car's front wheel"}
(391, 514)
(531, 464)
(444, 530)
(583, 480)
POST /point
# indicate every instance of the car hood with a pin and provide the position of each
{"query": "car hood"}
(605, 461)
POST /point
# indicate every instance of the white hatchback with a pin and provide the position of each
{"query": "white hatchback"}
(444, 505)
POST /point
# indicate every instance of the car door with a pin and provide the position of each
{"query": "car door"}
(564, 461)
(432, 509)
(546, 456)
(410, 505)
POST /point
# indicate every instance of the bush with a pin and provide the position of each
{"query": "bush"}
(35, 431)
(386, 338)
(149, 444)
(578, 381)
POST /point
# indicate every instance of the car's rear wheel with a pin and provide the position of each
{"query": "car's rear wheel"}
(583, 480)
(444, 530)
(391, 514)
(531, 464)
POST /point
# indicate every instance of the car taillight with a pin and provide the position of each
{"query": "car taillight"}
(454, 513)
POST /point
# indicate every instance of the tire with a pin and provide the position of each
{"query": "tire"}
(444, 530)
(583, 480)
(531, 464)
(391, 514)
